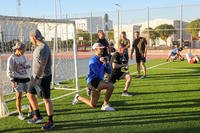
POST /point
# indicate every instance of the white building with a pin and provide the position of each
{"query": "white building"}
(65, 31)
(92, 24)
(130, 29)
(10, 30)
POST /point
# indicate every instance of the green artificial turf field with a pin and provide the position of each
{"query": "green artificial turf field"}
(167, 101)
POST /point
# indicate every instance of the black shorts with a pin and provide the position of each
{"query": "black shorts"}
(115, 76)
(19, 80)
(126, 56)
(44, 85)
(140, 59)
(94, 83)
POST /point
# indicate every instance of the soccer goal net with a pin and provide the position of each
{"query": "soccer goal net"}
(60, 35)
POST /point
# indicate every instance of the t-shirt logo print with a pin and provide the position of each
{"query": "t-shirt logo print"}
(20, 69)
(123, 60)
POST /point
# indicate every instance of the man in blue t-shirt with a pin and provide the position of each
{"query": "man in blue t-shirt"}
(95, 80)
(175, 54)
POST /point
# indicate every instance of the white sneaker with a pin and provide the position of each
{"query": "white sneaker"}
(143, 77)
(126, 94)
(107, 108)
(21, 117)
(75, 100)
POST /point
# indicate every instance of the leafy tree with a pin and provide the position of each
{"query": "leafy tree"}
(153, 34)
(165, 31)
(94, 37)
(110, 34)
(193, 28)
(85, 35)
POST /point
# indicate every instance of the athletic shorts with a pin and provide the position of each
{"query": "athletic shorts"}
(174, 56)
(94, 83)
(126, 56)
(115, 76)
(22, 87)
(192, 61)
(140, 59)
(44, 85)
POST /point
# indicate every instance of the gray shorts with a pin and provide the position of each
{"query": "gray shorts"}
(22, 87)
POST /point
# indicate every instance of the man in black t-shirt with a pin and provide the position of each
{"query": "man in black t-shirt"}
(120, 63)
(140, 47)
(104, 42)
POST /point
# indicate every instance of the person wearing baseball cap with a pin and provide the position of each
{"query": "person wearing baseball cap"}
(37, 34)
(18, 45)
(97, 45)
(95, 80)
(17, 73)
(41, 79)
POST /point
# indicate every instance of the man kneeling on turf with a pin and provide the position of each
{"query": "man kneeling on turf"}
(119, 62)
(95, 80)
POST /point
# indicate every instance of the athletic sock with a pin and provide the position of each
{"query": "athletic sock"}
(125, 91)
(37, 112)
(51, 118)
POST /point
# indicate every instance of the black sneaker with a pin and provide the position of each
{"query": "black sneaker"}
(30, 114)
(35, 120)
(49, 125)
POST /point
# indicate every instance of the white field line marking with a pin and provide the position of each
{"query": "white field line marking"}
(154, 66)
(26, 106)
(176, 69)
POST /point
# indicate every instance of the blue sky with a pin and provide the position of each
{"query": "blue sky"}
(38, 8)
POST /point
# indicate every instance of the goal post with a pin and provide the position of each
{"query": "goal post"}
(3, 108)
(60, 35)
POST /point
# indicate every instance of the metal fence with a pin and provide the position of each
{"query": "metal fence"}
(130, 20)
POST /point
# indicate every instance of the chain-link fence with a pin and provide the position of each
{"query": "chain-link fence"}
(118, 20)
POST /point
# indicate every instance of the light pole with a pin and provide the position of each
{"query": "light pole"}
(118, 5)
(181, 24)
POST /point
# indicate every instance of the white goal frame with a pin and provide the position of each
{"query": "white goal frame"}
(43, 20)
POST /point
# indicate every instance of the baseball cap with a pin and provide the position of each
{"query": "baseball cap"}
(97, 45)
(37, 34)
(18, 45)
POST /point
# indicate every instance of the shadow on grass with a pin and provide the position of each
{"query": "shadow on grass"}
(178, 104)
(165, 92)
(100, 122)
(174, 76)
(127, 120)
